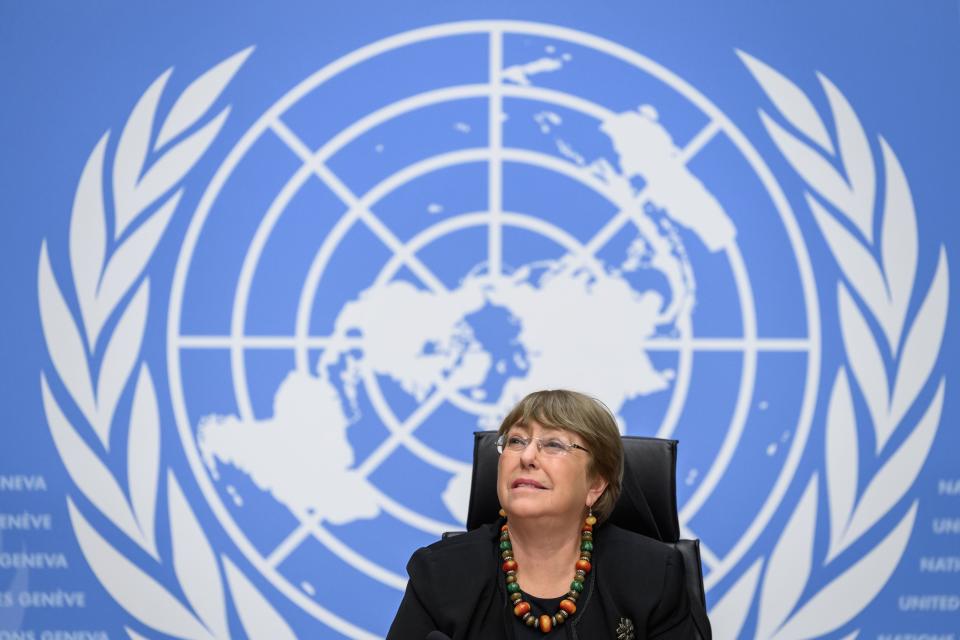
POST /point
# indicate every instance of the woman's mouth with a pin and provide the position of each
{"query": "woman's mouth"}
(526, 483)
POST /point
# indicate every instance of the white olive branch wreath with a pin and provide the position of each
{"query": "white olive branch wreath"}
(95, 356)
(878, 263)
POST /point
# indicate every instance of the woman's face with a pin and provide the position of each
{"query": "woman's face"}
(532, 484)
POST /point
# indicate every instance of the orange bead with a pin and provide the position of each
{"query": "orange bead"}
(504, 528)
(521, 609)
(587, 527)
(546, 623)
(584, 565)
(567, 605)
(510, 565)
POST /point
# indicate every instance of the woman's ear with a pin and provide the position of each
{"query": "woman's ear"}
(596, 489)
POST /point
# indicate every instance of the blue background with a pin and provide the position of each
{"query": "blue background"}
(70, 71)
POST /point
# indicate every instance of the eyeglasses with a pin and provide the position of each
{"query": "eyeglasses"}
(548, 446)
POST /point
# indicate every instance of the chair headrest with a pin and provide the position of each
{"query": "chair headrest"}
(647, 503)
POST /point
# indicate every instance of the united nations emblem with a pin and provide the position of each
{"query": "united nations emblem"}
(373, 274)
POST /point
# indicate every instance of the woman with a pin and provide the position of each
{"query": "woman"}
(550, 568)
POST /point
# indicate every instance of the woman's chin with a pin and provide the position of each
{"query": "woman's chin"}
(528, 506)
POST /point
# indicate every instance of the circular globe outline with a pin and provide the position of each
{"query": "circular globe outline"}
(494, 28)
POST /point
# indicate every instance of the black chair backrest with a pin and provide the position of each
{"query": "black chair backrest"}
(647, 503)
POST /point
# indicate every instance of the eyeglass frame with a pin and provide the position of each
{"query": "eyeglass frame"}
(501, 444)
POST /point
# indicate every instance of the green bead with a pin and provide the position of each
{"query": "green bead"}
(514, 587)
(504, 545)
(586, 545)
(576, 586)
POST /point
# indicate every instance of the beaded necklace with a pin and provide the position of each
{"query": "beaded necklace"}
(568, 606)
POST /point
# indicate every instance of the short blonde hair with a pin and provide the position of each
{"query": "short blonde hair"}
(588, 418)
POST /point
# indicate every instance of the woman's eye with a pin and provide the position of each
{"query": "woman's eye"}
(516, 441)
(555, 445)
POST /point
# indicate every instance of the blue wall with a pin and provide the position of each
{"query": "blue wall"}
(255, 308)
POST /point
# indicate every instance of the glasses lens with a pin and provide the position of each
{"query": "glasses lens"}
(554, 447)
(516, 443)
(512, 443)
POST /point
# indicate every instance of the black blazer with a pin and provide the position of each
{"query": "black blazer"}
(456, 586)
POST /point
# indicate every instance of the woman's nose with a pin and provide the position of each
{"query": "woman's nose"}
(529, 455)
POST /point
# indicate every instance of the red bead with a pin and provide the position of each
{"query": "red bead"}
(504, 528)
(567, 605)
(521, 609)
(510, 565)
(583, 565)
(587, 527)
(546, 623)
